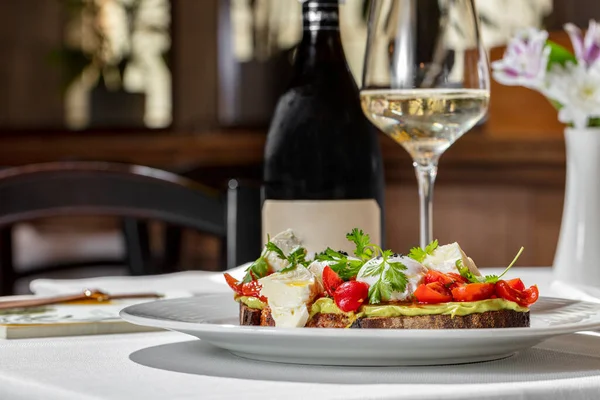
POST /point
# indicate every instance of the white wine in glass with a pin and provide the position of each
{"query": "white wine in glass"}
(425, 122)
(425, 81)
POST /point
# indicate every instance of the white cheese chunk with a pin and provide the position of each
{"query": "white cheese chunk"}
(287, 241)
(288, 294)
(444, 259)
(414, 272)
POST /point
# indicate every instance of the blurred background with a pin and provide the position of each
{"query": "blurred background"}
(189, 86)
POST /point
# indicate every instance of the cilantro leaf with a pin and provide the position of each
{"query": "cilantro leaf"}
(258, 269)
(295, 258)
(391, 277)
(430, 248)
(491, 278)
(340, 263)
(466, 273)
(380, 290)
(364, 247)
(396, 277)
(270, 246)
(419, 254)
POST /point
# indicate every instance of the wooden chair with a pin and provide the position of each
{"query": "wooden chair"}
(134, 193)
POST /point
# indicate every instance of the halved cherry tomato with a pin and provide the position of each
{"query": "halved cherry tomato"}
(457, 277)
(233, 284)
(331, 280)
(449, 280)
(251, 288)
(473, 292)
(523, 298)
(432, 293)
(349, 296)
(516, 284)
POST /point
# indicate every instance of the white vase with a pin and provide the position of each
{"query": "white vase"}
(577, 258)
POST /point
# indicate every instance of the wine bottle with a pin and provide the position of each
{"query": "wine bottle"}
(323, 172)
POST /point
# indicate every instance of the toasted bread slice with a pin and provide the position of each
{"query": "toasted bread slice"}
(489, 319)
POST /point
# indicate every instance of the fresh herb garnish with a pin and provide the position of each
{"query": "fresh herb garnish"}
(260, 268)
(391, 278)
(296, 257)
(340, 263)
(419, 254)
(365, 250)
(468, 275)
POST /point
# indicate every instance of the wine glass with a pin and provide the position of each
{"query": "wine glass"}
(425, 81)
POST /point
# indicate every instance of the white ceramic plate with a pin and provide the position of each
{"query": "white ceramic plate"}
(214, 319)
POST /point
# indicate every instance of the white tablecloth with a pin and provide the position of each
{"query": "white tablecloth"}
(175, 366)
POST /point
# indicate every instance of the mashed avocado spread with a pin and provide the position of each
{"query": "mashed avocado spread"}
(252, 302)
(326, 305)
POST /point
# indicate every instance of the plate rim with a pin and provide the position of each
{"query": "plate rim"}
(208, 327)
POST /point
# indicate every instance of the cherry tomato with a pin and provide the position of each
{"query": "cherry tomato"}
(449, 280)
(234, 284)
(349, 296)
(252, 289)
(473, 292)
(523, 298)
(457, 277)
(432, 293)
(331, 280)
(516, 284)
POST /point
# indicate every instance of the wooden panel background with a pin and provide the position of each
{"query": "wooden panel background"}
(499, 188)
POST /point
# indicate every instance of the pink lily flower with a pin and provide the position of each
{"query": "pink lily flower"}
(525, 60)
(587, 48)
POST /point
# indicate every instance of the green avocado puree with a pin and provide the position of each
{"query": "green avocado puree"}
(326, 305)
(252, 302)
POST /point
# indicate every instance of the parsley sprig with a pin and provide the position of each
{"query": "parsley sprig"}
(468, 275)
(419, 254)
(339, 262)
(260, 268)
(390, 275)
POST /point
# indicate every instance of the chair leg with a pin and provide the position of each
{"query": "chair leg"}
(8, 274)
(137, 246)
(172, 252)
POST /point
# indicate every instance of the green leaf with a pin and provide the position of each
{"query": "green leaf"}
(418, 254)
(491, 278)
(363, 244)
(258, 269)
(430, 248)
(396, 277)
(559, 54)
(594, 122)
(288, 268)
(380, 291)
(466, 273)
(270, 246)
(374, 268)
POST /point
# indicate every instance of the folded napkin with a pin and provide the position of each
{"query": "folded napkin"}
(185, 283)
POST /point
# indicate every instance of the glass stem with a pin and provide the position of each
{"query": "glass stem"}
(426, 178)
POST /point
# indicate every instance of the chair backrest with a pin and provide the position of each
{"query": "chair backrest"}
(101, 188)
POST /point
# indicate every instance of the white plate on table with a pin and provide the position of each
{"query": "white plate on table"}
(214, 319)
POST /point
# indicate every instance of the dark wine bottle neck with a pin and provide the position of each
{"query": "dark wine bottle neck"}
(321, 46)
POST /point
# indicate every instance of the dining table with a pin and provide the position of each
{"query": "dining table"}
(171, 365)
